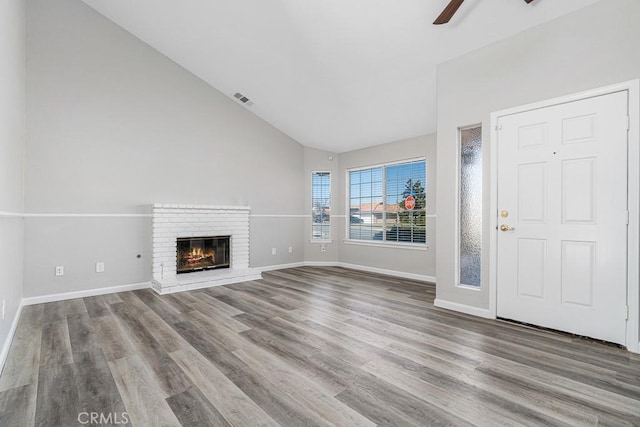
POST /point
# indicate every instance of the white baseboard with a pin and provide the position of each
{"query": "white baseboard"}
(7, 343)
(321, 264)
(82, 294)
(133, 287)
(462, 308)
(124, 288)
(280, 266)
(395, 273)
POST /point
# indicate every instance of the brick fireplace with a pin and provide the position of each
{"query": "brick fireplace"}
(173, 222)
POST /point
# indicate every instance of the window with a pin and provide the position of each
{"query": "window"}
(388, 203)
(321, 205)
(470, 205)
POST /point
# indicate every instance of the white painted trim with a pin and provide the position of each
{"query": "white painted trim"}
(413, 247)
(125, 215)
(322, 264)
(140, 215)
(11, 214)
(278, 216)
(347, 207)
(395, 162)
(633, 231)
(12, 331)
(82, 294)
(467, 309)
(457, 228)
(280, 266)
(85, 215)
(566, 99)
(72, 215)
(311, 207)
(206, 207)
(146, 285)
(493, 217)
(347, 184)
(394, 273)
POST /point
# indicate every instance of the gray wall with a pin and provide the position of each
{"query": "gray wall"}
(113, 126)
(593, 47)
(12, 130)
(400, 260)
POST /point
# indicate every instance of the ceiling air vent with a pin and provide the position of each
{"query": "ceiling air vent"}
(240, 97)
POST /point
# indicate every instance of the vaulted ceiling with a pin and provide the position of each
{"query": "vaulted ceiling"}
(333, 74)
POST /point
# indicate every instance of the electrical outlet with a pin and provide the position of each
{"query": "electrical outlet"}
(59, 270)
(100, 267)
(290, 249)
(273, 251)
(323, 248)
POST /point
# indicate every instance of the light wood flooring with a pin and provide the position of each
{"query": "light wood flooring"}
(304, 346)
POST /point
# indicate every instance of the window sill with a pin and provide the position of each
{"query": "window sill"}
(321, 241)
(410, 246)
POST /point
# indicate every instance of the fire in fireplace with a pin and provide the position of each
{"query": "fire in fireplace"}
(202, 253)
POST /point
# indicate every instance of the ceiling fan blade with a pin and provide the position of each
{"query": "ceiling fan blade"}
(448, 12)
(528, 1)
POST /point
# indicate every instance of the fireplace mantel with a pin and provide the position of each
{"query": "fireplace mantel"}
(173, 221)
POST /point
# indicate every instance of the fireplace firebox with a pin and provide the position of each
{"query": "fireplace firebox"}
(202, 253)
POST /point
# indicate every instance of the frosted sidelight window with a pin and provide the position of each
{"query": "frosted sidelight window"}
(321, 205)
(470, 205)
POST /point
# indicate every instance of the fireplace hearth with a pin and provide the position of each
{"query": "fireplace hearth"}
(178, 222)
(202, 253)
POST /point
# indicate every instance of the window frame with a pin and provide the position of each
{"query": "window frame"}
(381, 243)
(321, 239)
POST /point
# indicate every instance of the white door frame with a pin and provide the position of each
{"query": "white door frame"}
(633, 231)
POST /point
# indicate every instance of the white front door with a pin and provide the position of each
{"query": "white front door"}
(562, 217)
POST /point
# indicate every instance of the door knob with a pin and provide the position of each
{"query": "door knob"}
(505, 227)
